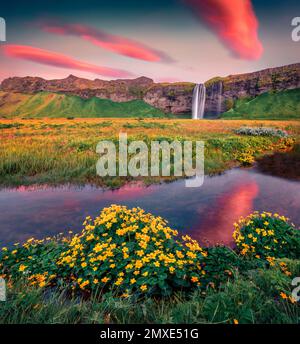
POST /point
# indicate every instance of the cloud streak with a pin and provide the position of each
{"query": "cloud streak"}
(54, 59)
(234, 22)
(117, 44)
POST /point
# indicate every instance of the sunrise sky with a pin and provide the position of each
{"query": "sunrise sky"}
(167, 40)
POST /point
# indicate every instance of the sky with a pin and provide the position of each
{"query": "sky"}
(166, 40)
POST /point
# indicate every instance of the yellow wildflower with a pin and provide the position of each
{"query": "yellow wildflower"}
(119, 281)
(143, 287)
(171, 269)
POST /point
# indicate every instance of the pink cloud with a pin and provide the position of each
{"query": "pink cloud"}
(118, 44)
(54, 59)
(234, 22)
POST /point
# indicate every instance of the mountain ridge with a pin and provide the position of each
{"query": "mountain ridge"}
(176, 98)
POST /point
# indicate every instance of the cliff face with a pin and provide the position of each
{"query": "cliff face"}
(169, 97)
(222, 92)
(116, 90)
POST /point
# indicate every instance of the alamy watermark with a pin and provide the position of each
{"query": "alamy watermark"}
(296, 30)
(296, 291)
(163, 159)
(2, 30)
(2, 289)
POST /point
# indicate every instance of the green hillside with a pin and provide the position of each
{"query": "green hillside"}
(279, 105)
(47, 104)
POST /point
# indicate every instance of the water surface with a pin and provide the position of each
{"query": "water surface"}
(207, 213)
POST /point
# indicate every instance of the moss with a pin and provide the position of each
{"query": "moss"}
(212, 81)
(271, 105)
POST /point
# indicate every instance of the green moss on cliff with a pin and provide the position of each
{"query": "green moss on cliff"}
(186, 87)
(270, 105)
(212, 81)
(55, 105)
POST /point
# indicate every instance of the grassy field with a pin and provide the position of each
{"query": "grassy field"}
(276, 105)
(63, 151)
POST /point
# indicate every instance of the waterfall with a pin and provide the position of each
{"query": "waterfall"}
(216, 97)
(199, 95)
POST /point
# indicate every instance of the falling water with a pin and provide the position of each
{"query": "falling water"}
(198, 106)
(216, 97)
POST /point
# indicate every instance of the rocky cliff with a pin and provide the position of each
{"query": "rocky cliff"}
(221, 92)
(173, 98)
(116, 90)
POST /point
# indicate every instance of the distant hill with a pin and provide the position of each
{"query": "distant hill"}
(269, 105)
(46, 104)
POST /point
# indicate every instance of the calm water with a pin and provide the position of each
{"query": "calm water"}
(207, 212)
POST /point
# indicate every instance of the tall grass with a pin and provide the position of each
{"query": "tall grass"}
(249, 299)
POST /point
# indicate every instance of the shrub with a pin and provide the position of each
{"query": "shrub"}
(220, 265)
(35, 260)
(267, 236)
(261, 131)
(125, 250)
(130, 251)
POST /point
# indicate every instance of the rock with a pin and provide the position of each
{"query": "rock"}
(173, 98)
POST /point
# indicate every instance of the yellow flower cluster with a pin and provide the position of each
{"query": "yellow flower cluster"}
(246, 158)
(41, 279)
(130, 249)
(284, 269)
(264, 235)
(284, 296)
